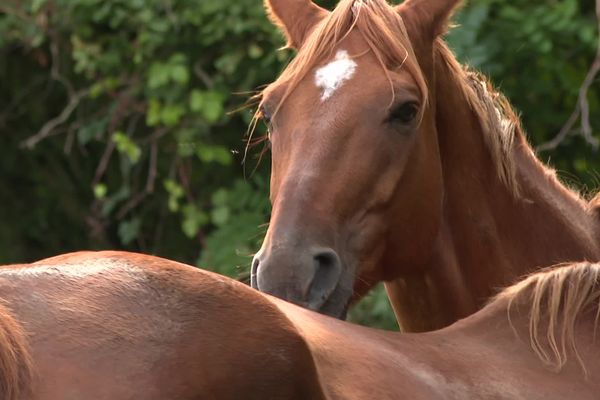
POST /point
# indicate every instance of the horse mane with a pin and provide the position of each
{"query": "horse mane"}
(500, 124)
(380, 26)
(557, 296)
(16, 368)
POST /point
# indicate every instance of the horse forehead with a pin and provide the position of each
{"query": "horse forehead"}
(347, 61)
(332, 76)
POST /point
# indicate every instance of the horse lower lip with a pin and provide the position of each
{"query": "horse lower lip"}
(341, 314)
(333, 310)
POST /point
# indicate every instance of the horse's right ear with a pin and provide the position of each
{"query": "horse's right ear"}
(431, 17)
(296, 18)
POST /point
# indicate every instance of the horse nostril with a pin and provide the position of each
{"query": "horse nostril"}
(328, 268)
(254, 272)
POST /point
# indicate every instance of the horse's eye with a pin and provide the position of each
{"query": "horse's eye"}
(404, 113)
(265, 115)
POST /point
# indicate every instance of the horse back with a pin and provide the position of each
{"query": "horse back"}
(103, 325)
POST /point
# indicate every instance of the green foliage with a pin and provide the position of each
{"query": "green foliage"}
(126, 146)
(146, 153)
(156, 151)
(237, 214)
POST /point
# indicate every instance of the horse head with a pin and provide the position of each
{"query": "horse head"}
(356, 184)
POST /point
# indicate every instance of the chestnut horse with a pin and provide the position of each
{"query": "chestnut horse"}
(392, 162)
(121, 326)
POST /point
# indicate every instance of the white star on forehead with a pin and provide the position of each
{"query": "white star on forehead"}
(333, 75)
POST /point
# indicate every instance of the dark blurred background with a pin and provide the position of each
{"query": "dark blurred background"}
(121, 121)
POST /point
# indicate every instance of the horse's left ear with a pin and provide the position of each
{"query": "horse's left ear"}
(431, 17)
(296, 18)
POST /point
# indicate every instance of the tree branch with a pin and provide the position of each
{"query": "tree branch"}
(203, 76)
(150, 181)
(9, 112)
(49, 127)
(75, 98)
(582, 109)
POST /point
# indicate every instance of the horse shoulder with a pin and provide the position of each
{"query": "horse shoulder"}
(237, 335)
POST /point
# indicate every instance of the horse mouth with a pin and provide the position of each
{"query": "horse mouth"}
(337, 304)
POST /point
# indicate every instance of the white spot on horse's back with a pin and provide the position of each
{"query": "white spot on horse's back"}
(333, 75)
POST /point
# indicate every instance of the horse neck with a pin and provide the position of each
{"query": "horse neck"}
(489, 236)
(514, 349)
(554, 313)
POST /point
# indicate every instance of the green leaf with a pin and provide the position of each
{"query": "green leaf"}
(129, 230)
(213, 109)
(218, 154)
(112, 201)
(94, 129)
(100, 191)
(171, 114)
(175, 192)
(222, 156)
(36, 5)
(581, 164)
(220, 216)
(229, 248)
(126, 146)
(193, 220)
(177, 58)
(180, 74)
(96, 90)
(196, 100)
(158, 75)
(255, 51)
(187, 142)
(220, 197)
(153, 115)
(210, 104)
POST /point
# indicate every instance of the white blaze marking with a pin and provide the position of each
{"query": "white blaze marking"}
(333, 75)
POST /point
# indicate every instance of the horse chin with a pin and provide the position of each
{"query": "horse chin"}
(337, 305)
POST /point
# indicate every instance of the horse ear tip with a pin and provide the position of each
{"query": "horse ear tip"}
(435, 17)
(443, 29)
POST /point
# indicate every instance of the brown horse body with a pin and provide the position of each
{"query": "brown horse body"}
(112, 326)
(430, 187)
(115, 326)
